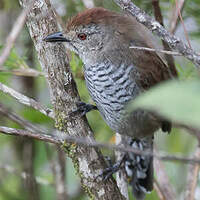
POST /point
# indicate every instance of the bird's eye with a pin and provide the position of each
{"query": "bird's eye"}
(82, 36)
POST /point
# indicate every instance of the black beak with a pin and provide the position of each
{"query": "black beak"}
(56, 37)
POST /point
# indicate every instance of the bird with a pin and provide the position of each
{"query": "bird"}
(115, 75)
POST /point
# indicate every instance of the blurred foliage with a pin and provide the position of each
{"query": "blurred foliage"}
(180, 101)
(175, 100)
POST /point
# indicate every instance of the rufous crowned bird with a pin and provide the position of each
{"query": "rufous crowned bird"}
(115, 74)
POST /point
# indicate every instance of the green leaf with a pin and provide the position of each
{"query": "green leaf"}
(175, 100)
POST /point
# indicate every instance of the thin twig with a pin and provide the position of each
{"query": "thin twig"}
(26, 100)
(183, 24)
(156, 50)
(193, 174)
(16, 118)
(175, 19)
(59, 174)
(162, 180)
(61, 138)
(17, 27)
(158, 190)
(30, 134)
(57, 164)
(23, 72)
(174, 42)
(121, 177)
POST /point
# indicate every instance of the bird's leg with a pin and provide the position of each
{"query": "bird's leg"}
(113, 168)
(83, 108)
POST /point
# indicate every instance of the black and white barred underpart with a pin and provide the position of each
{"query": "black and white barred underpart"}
(139, 168)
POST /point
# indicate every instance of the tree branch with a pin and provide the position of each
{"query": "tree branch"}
(174, 42)
(30, 134)
(193, 174)
(87, 161)
(169, 58)
(156, 50)
(16, 118)
(175, 19)
(26, 100)
(17, 27)
(62, 139)
(121, 177)
(162, 180)
(23, 72)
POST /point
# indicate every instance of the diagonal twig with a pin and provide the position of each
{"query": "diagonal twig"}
(158, 190)
(183, 24)
(26, 100)
(16, 118)
(17, 27)
(175, 19)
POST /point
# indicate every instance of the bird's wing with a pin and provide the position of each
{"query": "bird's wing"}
(152, 69)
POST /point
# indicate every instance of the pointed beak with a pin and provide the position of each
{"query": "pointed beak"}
(56, 37)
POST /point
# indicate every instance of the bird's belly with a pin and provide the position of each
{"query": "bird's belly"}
(112, 92)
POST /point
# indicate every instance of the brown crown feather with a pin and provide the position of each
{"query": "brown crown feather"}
(93, 15)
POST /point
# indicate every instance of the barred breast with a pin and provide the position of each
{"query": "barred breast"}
(111, 89)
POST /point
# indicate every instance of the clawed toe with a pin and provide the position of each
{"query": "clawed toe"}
(108, 172)
(83, 108)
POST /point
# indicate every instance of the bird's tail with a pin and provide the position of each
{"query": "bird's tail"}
(139, 168)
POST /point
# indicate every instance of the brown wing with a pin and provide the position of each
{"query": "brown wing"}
(151, 68)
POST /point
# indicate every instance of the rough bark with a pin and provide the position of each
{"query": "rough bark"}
(87, 161)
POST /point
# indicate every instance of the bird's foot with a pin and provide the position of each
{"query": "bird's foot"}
(113, 168)
(166, 126)
(83, 108)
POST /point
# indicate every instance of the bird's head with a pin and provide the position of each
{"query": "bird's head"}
(91, 32)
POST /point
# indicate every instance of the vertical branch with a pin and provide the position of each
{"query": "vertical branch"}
(61, 174)
(30, 183)
(159, 18)
(120, 175)
(57, 163)
(193, 174)
(28, 145)
(88, 162)
(165, 187)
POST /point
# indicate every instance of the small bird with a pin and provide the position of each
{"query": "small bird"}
(115, 74)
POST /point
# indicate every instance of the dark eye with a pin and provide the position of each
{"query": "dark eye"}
(82, 36)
